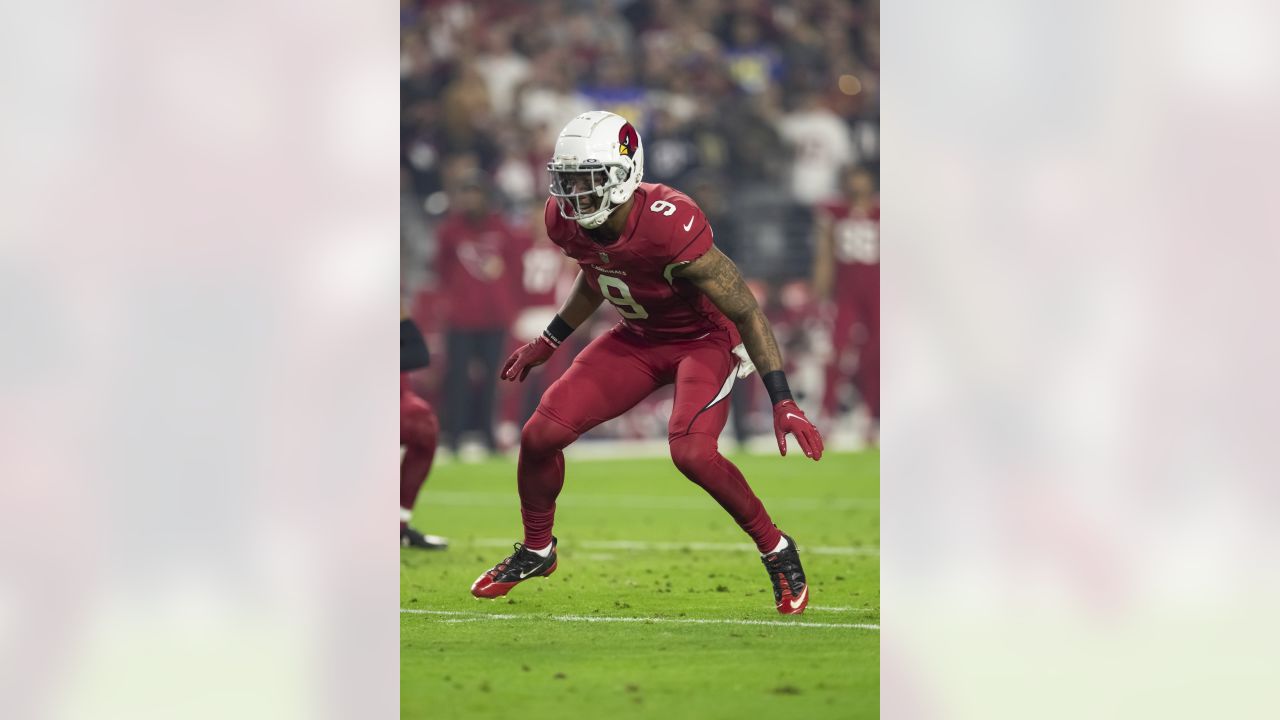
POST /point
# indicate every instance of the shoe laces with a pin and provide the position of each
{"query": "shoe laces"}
(781, 562)
(518, 549)
(783, 567)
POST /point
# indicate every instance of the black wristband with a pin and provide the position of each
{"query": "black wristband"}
(558, 331)
(776, 383)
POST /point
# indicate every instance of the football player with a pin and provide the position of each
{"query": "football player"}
(418, 432)
(686, 314)
(846, 272)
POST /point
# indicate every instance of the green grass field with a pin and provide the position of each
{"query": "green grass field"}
(660, 606)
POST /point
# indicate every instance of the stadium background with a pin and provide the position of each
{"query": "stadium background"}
(755, 109)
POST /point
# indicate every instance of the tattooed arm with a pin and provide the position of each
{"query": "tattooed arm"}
(719, 279)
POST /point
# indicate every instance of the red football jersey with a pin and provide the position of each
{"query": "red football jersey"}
(856, 236)
(665, 230)
(477, 268)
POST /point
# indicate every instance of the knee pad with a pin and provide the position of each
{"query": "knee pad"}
(693, 453)
(542, 435)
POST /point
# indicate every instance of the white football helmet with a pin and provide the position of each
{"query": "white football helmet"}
(597, 165)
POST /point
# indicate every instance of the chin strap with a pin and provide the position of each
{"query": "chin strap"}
(592, 225)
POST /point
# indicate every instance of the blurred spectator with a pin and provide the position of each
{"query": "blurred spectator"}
(753, 63)
(516, 177)
(477, 274)
(614, 88)
(503, 69)
(549, 101)
(670, 152)
(466, 124)
(422, 81)
(822, 146)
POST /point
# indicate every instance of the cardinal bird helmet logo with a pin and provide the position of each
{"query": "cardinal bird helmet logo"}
(628, 140)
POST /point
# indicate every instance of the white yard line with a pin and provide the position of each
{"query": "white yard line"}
(656, 620)
(647, 546)
(642, 502)
(824, 608)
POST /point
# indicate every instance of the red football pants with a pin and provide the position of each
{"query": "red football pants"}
(419, 430)
(856, 334)
(609, 377)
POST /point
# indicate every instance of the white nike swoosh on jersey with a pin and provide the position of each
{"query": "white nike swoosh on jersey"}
(800, 600)
(544, 562)
(688, 224)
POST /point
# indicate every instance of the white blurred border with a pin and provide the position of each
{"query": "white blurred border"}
(1080, 247)
(198, 266)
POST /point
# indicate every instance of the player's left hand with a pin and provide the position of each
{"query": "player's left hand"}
(789, 418)
(525, 359)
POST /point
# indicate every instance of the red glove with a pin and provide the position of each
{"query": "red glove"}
(789, 418)
(526, 358)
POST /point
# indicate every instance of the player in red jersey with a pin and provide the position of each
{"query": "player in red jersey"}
(686, 316)
(847, 271)
(419, 430)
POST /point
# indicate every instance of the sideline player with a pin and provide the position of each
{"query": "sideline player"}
(846, 272)
(686, 313)
(418, 432)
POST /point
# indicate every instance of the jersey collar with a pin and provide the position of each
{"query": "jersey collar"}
(637, 208)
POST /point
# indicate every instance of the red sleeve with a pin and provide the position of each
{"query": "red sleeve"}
(555, 223)
(690, 234)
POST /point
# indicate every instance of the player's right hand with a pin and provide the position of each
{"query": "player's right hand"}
(525, 359)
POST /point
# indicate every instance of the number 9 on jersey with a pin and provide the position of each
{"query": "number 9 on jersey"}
(617, 292)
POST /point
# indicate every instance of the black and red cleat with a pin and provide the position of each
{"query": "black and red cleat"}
(410, 538)
(518, 567)
(790, 590)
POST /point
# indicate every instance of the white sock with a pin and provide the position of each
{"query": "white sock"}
(544, 552)
(782, 545)
(405, 515)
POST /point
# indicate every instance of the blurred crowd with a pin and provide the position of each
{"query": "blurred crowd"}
(765, 113)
